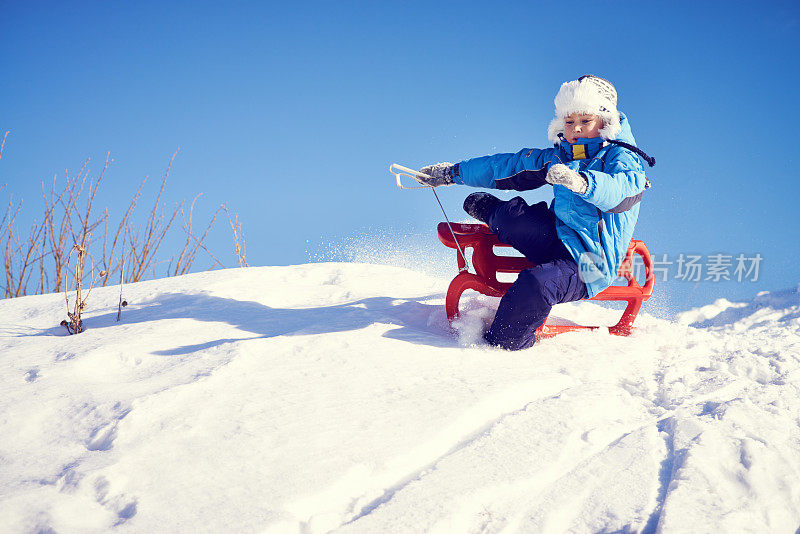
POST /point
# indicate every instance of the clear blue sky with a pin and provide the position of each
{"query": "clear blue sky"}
(291, 112)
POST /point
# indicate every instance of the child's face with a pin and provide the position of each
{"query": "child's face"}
(582, 125)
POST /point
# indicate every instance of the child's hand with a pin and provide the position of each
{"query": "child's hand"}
(440, 174)
(560, 174)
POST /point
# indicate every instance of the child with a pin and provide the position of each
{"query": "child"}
(579, 242)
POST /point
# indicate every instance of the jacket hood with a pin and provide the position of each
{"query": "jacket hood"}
(625, 134)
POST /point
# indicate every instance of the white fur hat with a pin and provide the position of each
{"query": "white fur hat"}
(587, 94)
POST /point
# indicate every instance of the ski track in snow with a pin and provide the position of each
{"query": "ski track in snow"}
(335, 398)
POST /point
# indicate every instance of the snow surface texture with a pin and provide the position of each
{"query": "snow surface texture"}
(334, 397)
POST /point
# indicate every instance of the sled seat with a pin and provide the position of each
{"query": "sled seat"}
(487, 265)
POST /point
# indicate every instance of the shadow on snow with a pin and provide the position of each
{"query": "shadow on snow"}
(417, 322)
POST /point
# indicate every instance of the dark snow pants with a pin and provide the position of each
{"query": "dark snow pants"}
(555, 278)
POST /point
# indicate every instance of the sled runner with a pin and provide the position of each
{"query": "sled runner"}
(487, 265)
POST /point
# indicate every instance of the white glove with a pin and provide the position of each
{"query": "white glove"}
(560, 174)
(441, 174)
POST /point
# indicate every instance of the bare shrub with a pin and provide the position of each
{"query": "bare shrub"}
(108, 260)
(81, 243)
(145, 245)
(193, 244)
(19, 256)
(66, 254)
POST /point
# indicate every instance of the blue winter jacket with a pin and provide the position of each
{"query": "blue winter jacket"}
(597, 226)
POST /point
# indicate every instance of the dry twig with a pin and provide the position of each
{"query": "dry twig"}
(188, 254)
(238, 238)
(3, 143)
(122, 224)
(142, 257)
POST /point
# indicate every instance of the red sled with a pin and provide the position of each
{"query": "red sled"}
(487, 265)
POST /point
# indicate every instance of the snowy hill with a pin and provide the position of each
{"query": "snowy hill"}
(334, 397)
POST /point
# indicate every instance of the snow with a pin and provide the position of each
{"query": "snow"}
(335, 397)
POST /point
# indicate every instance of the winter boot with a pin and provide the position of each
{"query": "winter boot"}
(481, 205)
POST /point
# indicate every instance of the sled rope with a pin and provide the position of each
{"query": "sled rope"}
(460, 250)
(398, 171)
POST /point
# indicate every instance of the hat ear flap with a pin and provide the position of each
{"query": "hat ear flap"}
(556, 127)
(611, 125)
